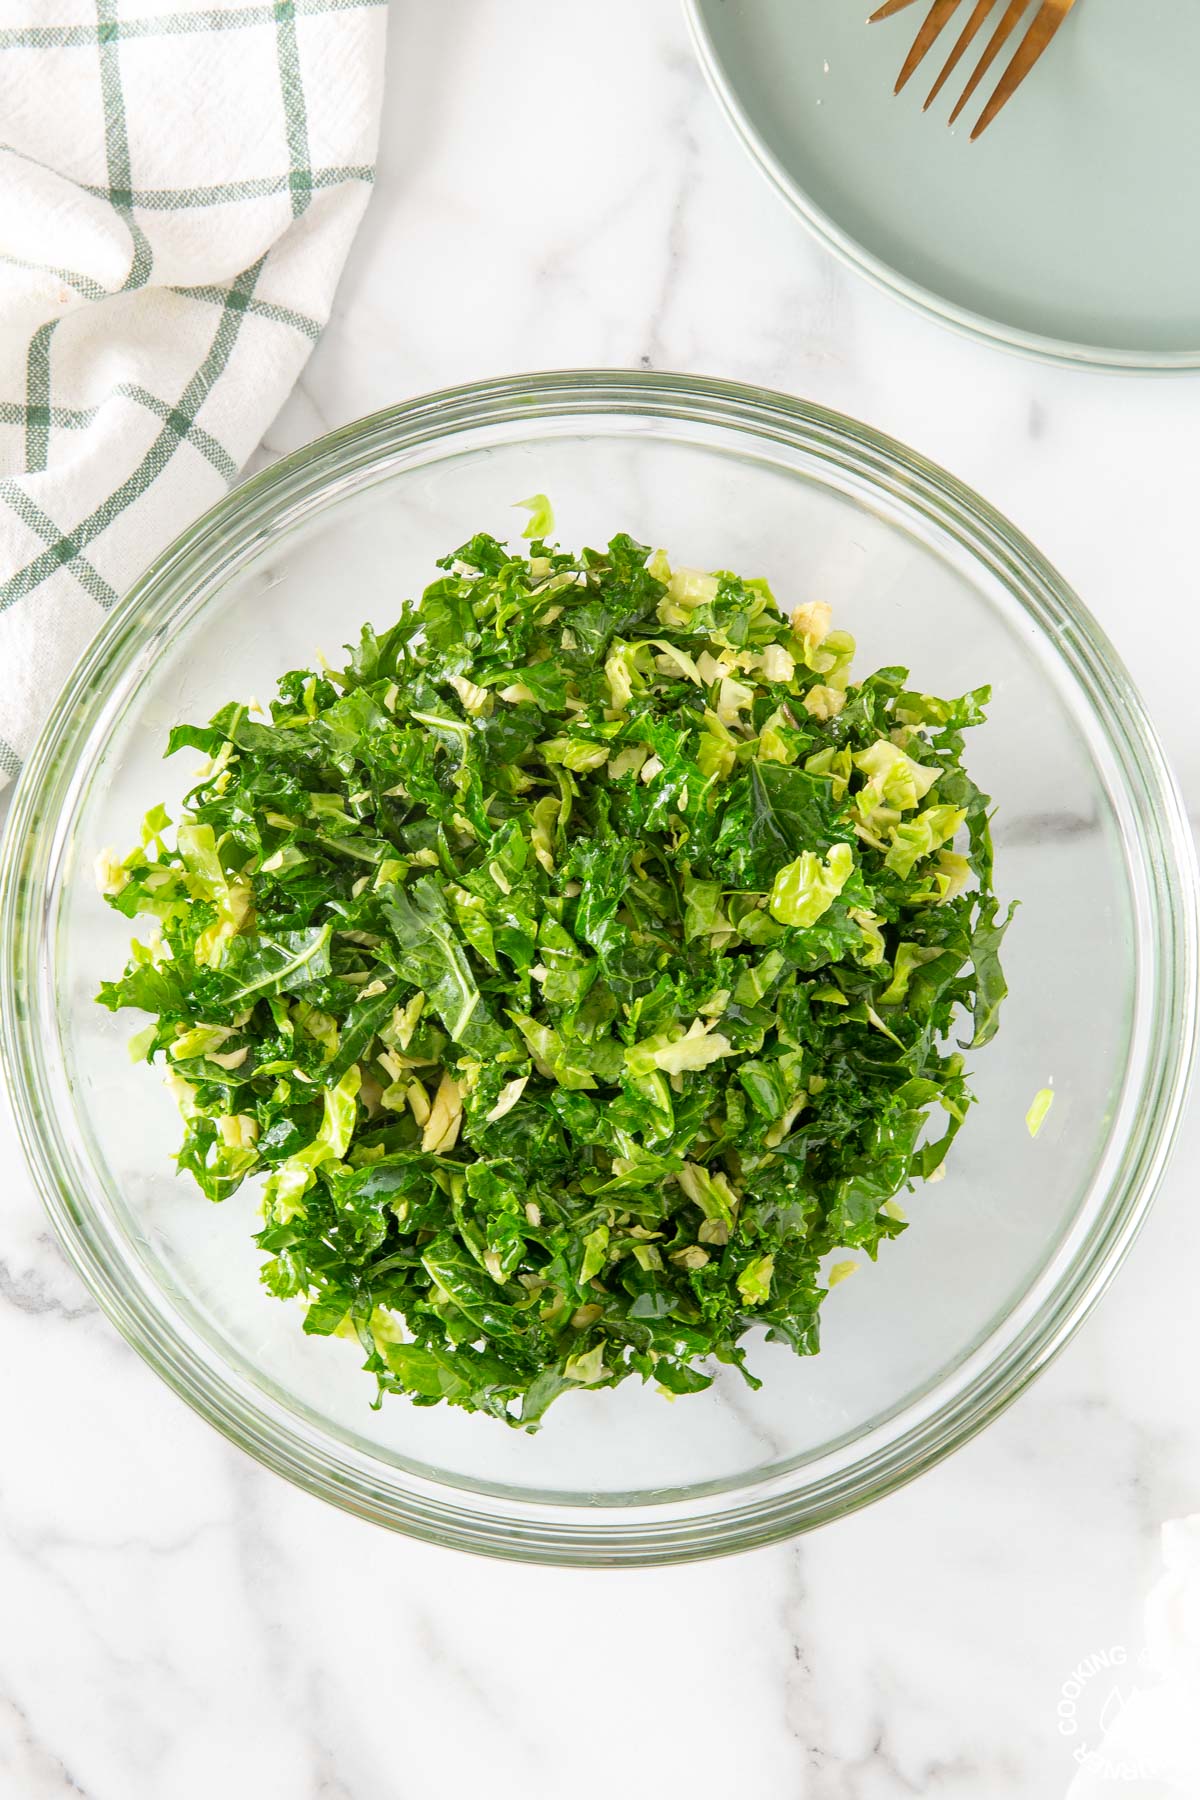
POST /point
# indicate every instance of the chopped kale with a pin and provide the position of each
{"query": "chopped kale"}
(578, 966)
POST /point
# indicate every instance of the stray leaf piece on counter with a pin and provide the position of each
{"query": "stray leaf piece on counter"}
(576, 971)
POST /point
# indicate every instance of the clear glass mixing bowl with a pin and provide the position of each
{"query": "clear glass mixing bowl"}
(1002, 1259)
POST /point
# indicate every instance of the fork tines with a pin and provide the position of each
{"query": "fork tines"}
(1046, 21)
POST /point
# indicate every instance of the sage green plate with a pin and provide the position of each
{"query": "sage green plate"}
(1070, 230)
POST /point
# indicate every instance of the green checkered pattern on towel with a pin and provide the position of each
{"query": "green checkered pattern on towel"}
(178, 191)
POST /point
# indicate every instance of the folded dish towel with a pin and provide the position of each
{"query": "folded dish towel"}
(179, 184)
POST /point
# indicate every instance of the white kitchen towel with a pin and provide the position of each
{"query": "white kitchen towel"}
(1149, 1742)
(179, 186)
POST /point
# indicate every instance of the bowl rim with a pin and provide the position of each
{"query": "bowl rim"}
(1112, 359)
(685, 1528)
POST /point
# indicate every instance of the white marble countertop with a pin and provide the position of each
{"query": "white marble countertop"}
(557, 188)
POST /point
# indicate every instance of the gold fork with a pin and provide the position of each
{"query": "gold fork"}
(1046, 21)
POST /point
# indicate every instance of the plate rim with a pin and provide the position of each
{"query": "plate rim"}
(1061, 352)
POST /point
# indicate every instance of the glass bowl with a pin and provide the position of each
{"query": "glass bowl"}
(1003, 1258)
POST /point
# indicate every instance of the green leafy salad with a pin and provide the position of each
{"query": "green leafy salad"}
(579, 967)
